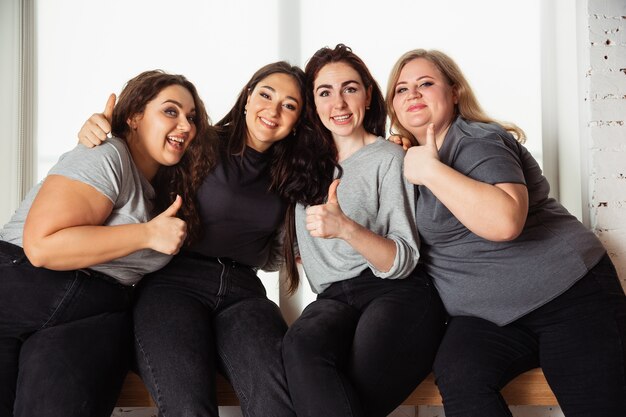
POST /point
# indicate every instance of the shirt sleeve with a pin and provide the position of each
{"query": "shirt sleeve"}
(491, 159)
(102, 167)
(396, 210)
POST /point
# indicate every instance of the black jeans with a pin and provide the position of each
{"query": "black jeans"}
(578, 339)
(65, 340)
(363, 346)
(197, 314)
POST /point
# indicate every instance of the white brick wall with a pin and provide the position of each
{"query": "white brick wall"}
(606, 98)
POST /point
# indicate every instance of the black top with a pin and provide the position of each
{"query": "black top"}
(239, 215)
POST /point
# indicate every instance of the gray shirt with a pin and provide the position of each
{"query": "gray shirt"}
(108, 168)
(373, 193)
(501, 281)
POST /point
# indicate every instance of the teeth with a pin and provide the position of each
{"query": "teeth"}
(175, 139)
(342, 118)
(267, 122)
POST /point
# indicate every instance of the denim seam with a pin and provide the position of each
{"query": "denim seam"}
(345, 395)
(58, 307)
(159, 397)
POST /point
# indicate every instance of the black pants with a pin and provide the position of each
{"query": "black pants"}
(64, 340)
(363, 346)
(579, 339)
(198, 314)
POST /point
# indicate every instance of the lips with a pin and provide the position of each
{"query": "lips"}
(342, 119)
(177, 142)
(416, 107)
(268, 123)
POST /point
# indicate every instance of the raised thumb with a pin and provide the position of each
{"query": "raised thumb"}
(173, 209)
(332, 192)
(108, 109)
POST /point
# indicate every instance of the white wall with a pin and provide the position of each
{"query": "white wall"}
(88, 49)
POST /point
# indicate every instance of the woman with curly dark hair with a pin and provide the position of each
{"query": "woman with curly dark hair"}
(77, 245)
(208, 305)
(371, 336)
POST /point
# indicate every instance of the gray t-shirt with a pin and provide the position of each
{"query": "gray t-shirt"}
(501, 281)
(110, 169)
(373, 193)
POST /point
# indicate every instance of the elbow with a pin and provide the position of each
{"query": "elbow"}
(36, 256)
(508, 231)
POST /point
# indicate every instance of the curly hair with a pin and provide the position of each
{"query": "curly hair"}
(184, 178)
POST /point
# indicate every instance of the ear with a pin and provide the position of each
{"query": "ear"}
(368, 96)
(455, 94)
(132, 121)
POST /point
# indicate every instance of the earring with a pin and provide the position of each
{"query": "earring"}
(367, 107)
(245, 112)
(293, 132)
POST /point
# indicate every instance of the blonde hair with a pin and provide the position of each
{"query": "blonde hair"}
(467, 107)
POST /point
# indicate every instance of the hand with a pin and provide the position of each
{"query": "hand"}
(96, 129)
(327, 220)
(401, 140)
(419, 159)
(168, 232)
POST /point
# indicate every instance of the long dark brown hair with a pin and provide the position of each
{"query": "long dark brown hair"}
(233, 130)
(314, 161)
(185, 177)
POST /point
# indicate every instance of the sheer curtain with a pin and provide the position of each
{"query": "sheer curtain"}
(17, 55)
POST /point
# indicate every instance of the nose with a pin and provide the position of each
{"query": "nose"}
(339, 101)
(415, 92)
(183, 124)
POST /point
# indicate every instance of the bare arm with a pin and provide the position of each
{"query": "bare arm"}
(495, 212)
(63, 229)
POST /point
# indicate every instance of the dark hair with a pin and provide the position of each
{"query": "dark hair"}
(185, 177)
(315, 159)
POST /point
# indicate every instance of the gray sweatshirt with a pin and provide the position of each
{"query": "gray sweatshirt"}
(374, 193)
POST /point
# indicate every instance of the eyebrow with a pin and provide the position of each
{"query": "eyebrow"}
(269, 87)
(419, 78)
(343, 84)
(193, 110)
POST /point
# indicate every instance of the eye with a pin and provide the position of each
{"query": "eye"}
(264, 95)
(401, 90)
(350, 90)
(290, 106)
(172, 112)
(426, 84)
(191, 118)
(324, 93)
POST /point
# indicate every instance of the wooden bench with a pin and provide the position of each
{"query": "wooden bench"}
(530, 388)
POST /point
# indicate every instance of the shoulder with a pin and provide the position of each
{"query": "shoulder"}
(388, 150)
(468, 131)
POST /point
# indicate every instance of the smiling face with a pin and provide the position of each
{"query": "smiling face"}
(272, 110)
(423, 96)
(341, 99)
(161, 134)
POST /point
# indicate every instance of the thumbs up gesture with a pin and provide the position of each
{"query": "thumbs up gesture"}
(327, 220)
(167, 232)
(98, 126)
(419, 159)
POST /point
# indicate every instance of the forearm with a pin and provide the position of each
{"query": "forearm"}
(84, 246)
(379, 251)
(485, 209)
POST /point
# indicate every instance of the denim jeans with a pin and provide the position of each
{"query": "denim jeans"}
(578, 339)
(197, 315)
(363, 346)
(65, 339)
